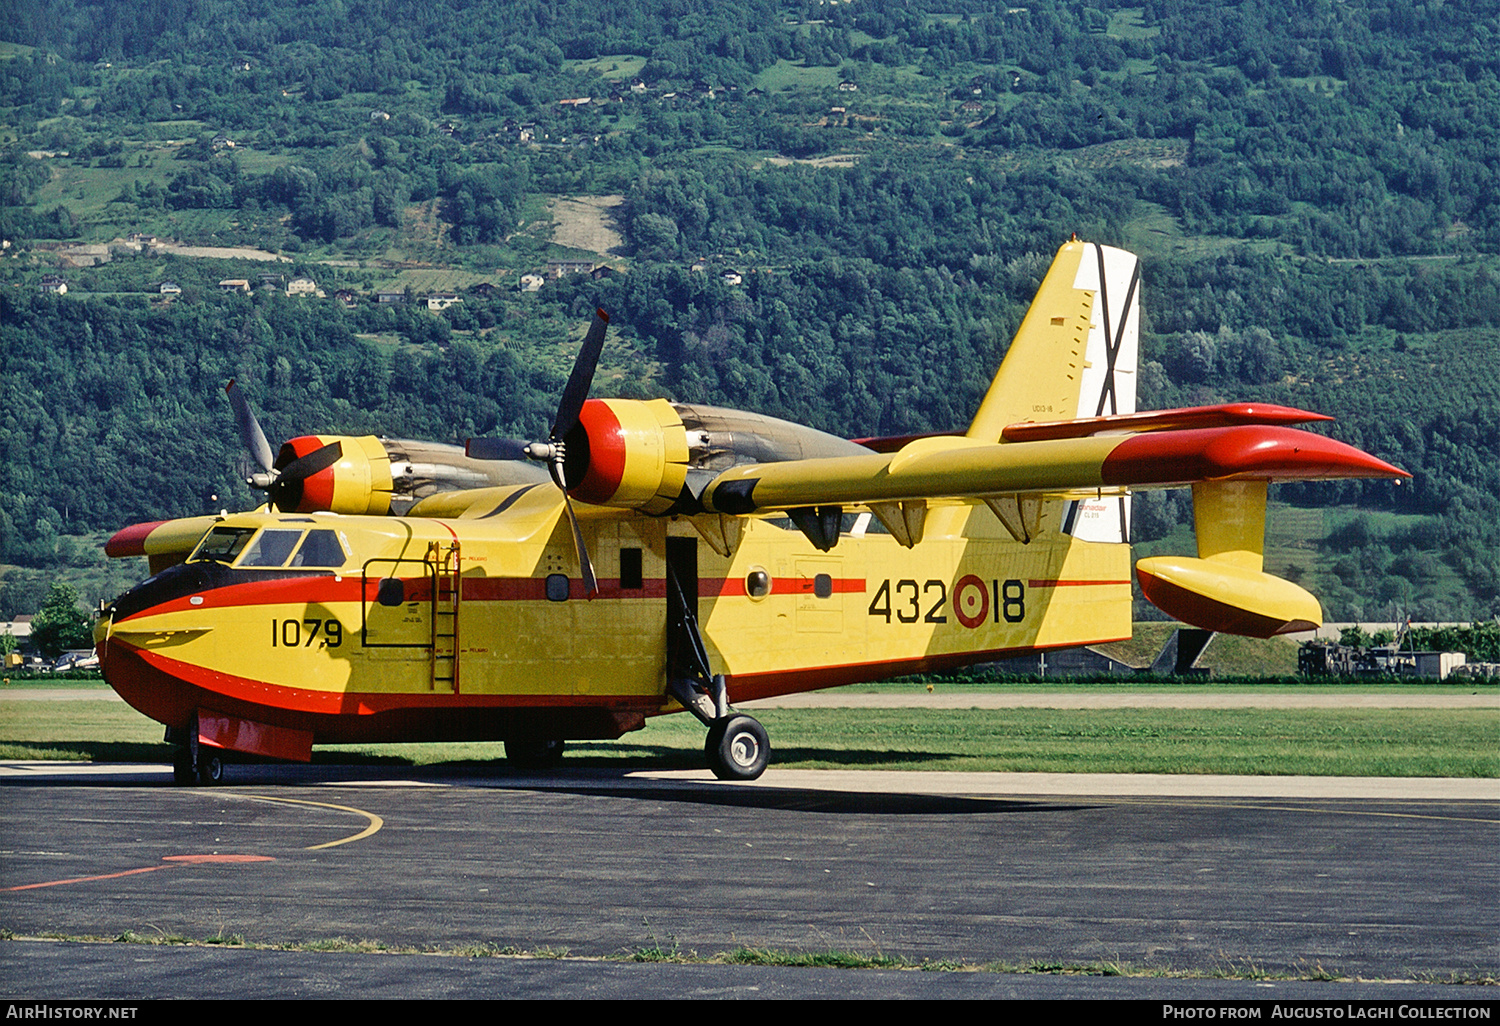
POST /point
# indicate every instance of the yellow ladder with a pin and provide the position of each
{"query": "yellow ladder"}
(447, 593)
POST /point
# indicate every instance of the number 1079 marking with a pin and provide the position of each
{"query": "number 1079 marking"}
(291, 633)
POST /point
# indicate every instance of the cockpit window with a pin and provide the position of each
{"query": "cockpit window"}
(271, 548)
(222, 544)
(321, 548)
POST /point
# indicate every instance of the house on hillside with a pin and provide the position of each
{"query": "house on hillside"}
(563, 268)
(303, 286)
(169, 288)
(234, 285)
(54, 283)
(346, 296)
(390, 297)
(442, 300)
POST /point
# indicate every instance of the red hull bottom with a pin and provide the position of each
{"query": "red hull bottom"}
(358, 719)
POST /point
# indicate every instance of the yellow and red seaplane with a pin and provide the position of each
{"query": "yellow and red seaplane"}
(650, 557)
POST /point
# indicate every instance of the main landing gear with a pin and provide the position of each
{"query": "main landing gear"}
(736, 747)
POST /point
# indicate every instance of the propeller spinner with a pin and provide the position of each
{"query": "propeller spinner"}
(282, 485)
(553, 451)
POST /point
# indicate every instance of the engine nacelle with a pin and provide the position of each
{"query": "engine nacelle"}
(359, 483)
(625, 452)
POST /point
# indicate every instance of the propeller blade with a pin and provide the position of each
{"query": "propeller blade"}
(250, 432)
(304, 467)
(581, 378)
(497, 448)
(585, 565)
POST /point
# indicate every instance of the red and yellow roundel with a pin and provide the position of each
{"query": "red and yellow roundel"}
(971, 601)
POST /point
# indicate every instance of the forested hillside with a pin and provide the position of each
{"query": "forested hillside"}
(834, 213)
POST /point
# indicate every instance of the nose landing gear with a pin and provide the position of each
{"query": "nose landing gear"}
(193, 763)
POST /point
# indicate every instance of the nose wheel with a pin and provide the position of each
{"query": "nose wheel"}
(534, 755)
(193, 763)
(737, 747)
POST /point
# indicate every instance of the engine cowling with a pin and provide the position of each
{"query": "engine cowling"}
(359, 483)
(627, 453)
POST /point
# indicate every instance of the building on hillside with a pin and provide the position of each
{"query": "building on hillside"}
(563, 268)
(531, 282)
(169, 288)
(303, 286)
(442, 300)
(234, 285)
(54, 283)
(390, 297)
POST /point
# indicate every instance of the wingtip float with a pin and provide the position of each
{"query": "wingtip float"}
(395, 590)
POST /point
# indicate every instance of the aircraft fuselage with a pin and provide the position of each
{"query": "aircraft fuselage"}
(294, 624)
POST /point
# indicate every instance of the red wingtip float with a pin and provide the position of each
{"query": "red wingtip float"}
(405, 591)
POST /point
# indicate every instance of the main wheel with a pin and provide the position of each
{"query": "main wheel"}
(737, 748)
(210, 767)
(534, 754)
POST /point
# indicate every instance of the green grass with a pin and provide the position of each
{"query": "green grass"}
(1317, 742)
(830, 958)
(615, 67)
(786, 76)
(1126, 23)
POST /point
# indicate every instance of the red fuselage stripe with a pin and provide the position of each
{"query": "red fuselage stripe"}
(324, 590)
(1054, 583)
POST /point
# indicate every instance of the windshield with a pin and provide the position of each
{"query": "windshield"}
(271, 548)
(222, 544)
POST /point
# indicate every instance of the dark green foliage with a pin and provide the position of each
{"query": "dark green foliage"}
(60, 624)
(1314, 186)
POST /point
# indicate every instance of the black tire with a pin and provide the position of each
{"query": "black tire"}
(534, 755)
(210, 767)
(737, 748)
(183, 770)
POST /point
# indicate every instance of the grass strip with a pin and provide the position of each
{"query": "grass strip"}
(1314, 742)
(1229, 969)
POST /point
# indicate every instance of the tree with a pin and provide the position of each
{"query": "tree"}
(61, 625)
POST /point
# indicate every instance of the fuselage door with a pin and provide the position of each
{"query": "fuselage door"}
(397, 607)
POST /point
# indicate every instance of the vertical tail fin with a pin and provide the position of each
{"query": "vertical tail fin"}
(1075, 355)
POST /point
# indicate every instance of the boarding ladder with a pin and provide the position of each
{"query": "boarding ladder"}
(447, 593)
